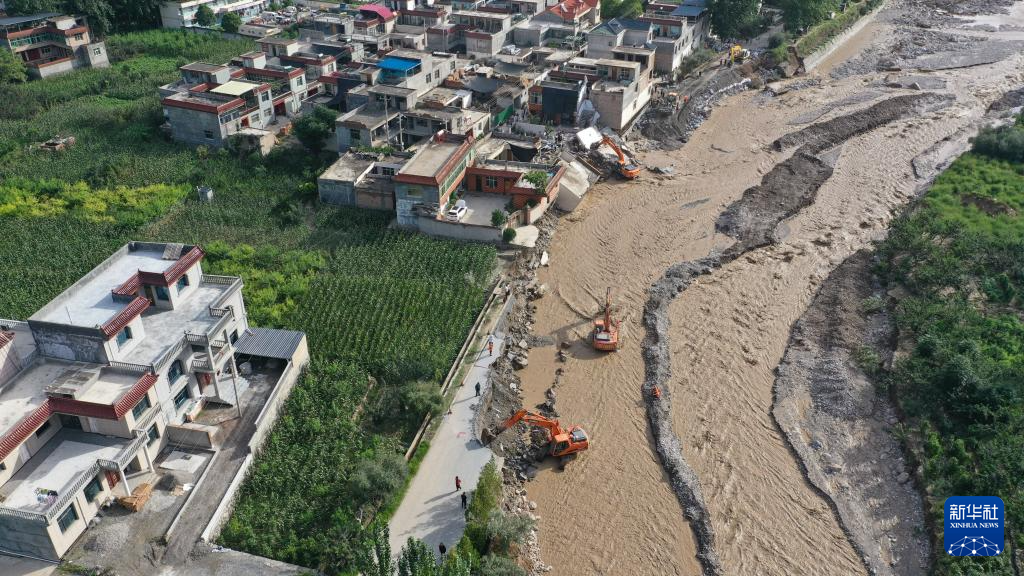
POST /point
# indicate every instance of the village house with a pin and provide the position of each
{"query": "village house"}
(183, 13)
(428, 180)
(51, 44)
(96, 383)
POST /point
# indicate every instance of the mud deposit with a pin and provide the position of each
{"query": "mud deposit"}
(712, 484)
(842, 430)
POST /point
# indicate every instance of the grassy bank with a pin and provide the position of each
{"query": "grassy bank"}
(374, 302)
(821, 33)
(956, 266)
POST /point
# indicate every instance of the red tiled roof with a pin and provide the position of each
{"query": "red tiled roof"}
(29, 424)
(10, 442)
(5, 338)
(129, 400)
(124, 317)
(129, 287)
(382, 11)
(572, 9)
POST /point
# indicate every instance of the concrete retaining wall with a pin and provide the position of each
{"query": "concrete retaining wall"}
(818, 56)
(265, 421)
(458, 230)
(188, 434)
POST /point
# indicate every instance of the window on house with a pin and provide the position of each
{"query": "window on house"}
(387, 171)
(198, 348)
(162, 293)
(175, 371)
(353, 135)
(141, 407)
(46, 49)
(491, 182)
(93, 488)
(153, 433)
(414, 192)
(300, 80)
(42, 429)
(421, 122)
(181, 398)
(182, 283)
(234, 336)
(69, 421)
(265, 96)
(124, 336)
(67, 518)
(78, 37)
(208, 134)
(3, 466)
(97, 51)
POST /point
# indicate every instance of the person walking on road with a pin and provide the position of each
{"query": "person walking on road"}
(490, 345)
(477, 388)
(442, 549)
(458, 483)
(465, 500)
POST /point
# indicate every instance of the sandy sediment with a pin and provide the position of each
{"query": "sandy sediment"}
(726, 333)
(840, 428)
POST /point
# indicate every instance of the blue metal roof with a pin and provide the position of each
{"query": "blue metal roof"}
(397, 64)
(689, 11)
(701, 3)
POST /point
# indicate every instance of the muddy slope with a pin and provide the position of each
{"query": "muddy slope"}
(842, 429)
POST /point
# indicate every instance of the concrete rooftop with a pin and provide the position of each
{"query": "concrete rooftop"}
(65, 456)
(430, 159)
(88, 302)
(165, 328)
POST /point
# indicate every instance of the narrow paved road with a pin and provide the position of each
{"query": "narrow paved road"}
(432, 508)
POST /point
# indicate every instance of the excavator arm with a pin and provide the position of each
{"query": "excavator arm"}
(531, 418)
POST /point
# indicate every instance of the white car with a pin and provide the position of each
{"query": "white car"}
(456, 214)
(511, 49)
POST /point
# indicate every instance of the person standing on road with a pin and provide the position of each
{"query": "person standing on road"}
(442, 549)
(477, 388)
(465, 500)
(458, 483)
(490, 345)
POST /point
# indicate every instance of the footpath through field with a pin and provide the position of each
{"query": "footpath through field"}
(432, 508)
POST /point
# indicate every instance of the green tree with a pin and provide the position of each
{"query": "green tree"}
(375, 557)
(313, 129)
(729, 17)
(12, 68)
(416, 560)
(99, 12)
(538, 178)
(378, 478)
(231, 22)
(621, 8)
(800, 14)
(205, 16)
(29, 7)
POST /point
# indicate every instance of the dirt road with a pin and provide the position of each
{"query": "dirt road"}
(728, 330)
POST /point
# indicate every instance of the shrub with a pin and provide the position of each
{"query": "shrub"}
(498, 218)
(493, 565)
(377, 479)
(205, 16)
(776, 40)
(231, 22)
(508, 234)
(505, 530)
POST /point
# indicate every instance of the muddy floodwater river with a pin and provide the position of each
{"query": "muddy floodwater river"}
(613, 511)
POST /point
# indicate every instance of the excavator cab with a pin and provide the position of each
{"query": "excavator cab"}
(605, 336)
(562, 444)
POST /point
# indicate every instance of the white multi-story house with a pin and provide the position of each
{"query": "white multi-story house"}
(95, 383)
(182, 13)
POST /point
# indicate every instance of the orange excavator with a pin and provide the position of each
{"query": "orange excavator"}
(562, 444)
(605, 336)
(627, 168)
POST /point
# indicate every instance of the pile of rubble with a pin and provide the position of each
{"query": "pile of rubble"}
(521, 452)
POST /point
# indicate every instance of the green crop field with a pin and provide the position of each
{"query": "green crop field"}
(958, 261)
(375, 302)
